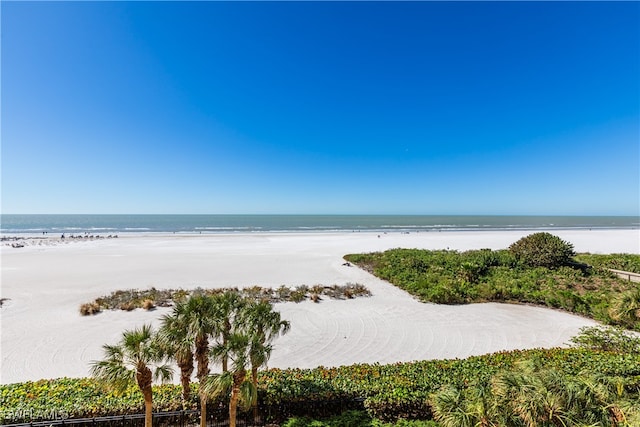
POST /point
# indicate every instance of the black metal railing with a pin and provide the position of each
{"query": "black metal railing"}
(216, 416)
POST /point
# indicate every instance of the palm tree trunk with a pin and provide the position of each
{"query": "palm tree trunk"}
(254, 380)
(186, 369)
(144, 380)
(238, 378)
(203, 410)
(148, 409)
(202, 357)
(233, 407)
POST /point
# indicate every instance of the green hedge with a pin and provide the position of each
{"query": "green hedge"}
(391, 391)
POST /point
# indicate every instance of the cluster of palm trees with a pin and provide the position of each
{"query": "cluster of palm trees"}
(528, 396)
(225, 328)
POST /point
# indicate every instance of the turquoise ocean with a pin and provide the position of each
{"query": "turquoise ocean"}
(19, 224)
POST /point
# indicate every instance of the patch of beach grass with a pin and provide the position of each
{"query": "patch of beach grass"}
(149, 299)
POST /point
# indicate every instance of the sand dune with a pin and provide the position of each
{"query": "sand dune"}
(44, 336)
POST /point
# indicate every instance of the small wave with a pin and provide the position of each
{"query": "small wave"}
(22, 230)
(224, 228)
(400, 227)
(319, 227)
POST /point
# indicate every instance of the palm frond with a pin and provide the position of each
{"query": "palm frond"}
(217, 384)
(114, 374)
(163, 373)
(248, 395)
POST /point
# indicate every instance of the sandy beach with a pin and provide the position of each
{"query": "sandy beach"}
(44, 336)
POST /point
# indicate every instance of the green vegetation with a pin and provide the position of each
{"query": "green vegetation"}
(528, 395)
(607, 338)
(354, 419)
(542, 250)
(452, 277)
(148, 299)
(224, 326)
(137, 359)
(391, 392)
(595, 383)
(624, 262)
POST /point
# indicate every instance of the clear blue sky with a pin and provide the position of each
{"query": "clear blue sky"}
(329, 107)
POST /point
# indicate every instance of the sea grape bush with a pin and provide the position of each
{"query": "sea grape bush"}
(542, 250)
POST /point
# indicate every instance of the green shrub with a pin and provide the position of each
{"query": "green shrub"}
(451, 277)
(355, 419)
(607, 338)
(297, 295)
(395, 391)
(542, 250)
(346, 419)
(624, 262)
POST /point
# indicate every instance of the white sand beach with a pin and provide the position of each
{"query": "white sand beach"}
(44, 336)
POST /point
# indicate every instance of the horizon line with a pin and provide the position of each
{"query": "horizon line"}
(339, 214)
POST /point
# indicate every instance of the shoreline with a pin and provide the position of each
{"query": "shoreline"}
(279, 223)
(4, 235)
(44, 336)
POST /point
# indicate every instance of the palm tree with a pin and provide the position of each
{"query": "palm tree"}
(549, 397)
(136, 359)
(263, 325)
(449, 408)
(226, 314)
(177, 342)
(610, 396)
(237, 350)
(471, 407)
(536, 397)
(197, 318)
(532, 397)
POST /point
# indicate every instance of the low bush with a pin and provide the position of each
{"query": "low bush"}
(148, 304)
(346, 419)
(542, 250)
(354, 419)
(89, 309)
(624, 262)
(607, 338)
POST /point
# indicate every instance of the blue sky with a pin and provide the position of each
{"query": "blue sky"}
(327, 107)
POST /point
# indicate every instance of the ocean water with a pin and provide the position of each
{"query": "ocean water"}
(110, 224)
